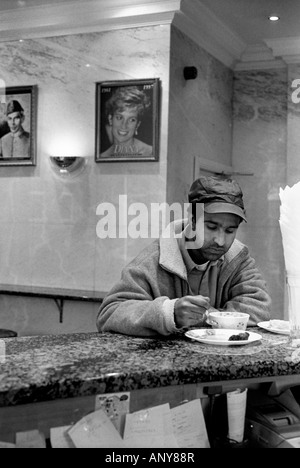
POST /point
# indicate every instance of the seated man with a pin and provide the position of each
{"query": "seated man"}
(175, 281)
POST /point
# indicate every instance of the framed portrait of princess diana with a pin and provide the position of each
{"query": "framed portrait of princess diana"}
(127, 120)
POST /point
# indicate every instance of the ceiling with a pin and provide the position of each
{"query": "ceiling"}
(249, 18)
(237, 32)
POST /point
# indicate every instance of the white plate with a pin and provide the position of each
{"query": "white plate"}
(276, 326)
(220, 337)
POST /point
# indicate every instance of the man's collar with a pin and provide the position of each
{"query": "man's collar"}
(19, 133)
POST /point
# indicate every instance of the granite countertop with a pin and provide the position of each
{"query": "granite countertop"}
(41, 368)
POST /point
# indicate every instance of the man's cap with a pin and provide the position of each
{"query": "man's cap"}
(218, 195)
(14, 106)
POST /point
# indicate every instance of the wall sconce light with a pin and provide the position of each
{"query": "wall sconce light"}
(68, 166)
(190, 73)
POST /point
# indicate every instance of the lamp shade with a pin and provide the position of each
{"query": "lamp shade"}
(68, 166)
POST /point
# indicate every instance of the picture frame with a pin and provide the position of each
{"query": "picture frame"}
(127, 120)
(18, 123)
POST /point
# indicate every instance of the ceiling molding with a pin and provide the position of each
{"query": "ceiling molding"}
(259, 65)
(190, 16)
(84, 16)
(292, 58)
(287, 48)
(258, 57)
(204, 28)
(257, 52)
(284, 46)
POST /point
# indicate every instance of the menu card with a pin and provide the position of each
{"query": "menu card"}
(149, 428)
(116, 406)
(30, 439)
(95, 431)
(155, 427)
(160, 426)
(60, 438)
(7, 445)
(189, 425)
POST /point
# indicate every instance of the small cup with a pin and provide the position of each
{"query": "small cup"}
(229, 320)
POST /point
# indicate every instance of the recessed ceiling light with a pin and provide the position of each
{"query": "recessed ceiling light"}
(274, 18)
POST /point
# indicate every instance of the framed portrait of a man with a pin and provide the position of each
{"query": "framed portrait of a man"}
(18, 108)
(127, 120)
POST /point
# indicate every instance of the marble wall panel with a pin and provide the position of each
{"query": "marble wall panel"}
(63, 256)
(293, 122)
(259, 148)
(200, 121)
(16, 247)
(48, 224)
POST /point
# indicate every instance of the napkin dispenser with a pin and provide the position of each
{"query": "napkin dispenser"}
(271, 423)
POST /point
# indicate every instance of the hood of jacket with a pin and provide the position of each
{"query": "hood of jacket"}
(170, 256)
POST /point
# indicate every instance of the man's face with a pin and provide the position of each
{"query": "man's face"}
(219, 233)
(14, 121)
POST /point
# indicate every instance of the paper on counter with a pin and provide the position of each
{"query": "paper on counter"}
(95, 431)
(294, 442)
(116, 406)
(60, 438)
(236, 411)
(7, 445)
(150, 428)
(30, 439)
(170, 440)
(182, 426)
(189, 425)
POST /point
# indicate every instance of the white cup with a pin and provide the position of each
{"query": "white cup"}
(227, 319)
